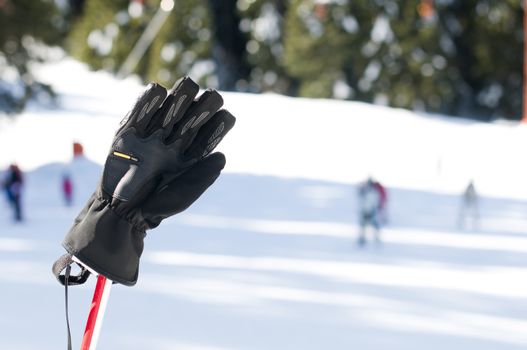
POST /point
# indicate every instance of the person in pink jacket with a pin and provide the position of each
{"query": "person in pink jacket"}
(67, 189)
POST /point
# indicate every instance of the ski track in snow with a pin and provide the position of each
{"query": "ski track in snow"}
(270, 262)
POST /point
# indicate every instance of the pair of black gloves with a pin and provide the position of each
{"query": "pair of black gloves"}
(159, 163)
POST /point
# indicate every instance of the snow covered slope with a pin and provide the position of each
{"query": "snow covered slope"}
(267, 258)
(291, 137)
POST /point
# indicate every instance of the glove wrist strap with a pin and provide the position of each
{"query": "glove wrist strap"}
(64, 263)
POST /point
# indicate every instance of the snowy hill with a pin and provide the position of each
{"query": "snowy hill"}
(292, 137)
(267, 259)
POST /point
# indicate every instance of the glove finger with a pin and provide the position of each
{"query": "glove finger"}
(184, 190)
(179, 100)
(210, 134)
(156, 122)
(198, 114)
(145, 107)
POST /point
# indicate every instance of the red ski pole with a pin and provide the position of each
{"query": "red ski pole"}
(96, 315)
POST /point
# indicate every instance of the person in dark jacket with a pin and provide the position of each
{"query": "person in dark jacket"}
(12, 185)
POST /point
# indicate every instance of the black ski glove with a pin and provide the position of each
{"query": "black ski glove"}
(158, 165)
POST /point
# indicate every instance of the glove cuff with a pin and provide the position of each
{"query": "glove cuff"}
(109, 243)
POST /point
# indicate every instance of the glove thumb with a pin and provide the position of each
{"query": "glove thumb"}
(184, 190)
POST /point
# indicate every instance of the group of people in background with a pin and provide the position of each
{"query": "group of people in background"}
(373, 198)
(372, 195)
(13, 183)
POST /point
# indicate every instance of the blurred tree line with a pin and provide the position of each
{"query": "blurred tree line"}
(454, 57)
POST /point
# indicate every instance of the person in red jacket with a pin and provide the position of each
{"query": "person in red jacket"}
(383, 200)
(372, 208)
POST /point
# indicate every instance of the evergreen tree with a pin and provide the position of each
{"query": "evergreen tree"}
(183, 46)
(108, 30)
(229, 45)
(406, 64)
(315, 35)
(263, 23)
(23, 25)
(488, 39)
(97, 36)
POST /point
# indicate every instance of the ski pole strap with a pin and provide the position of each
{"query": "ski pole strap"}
(63, 263)
(66, 280)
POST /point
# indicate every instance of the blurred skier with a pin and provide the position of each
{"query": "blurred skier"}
(382, 211)
(67, 189)
(12, 185)
(469, 207)
(372, 200)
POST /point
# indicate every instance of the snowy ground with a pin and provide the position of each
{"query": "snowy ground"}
(267, 258)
